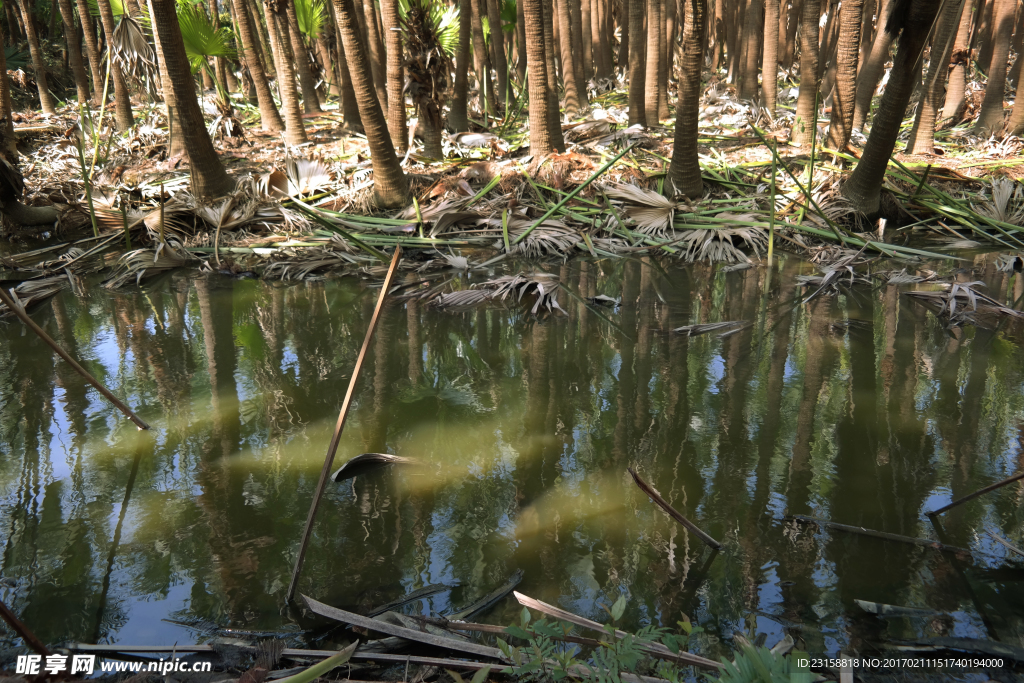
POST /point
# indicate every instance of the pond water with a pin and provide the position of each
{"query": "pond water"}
(860, 408)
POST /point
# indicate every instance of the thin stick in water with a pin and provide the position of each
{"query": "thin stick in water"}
(972, 496)
(332, 448)
(15, 623)
(18, 311)
(672, 512)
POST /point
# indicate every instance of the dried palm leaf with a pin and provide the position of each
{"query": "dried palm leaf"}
(33, 291)
(651, 212)
(141, 263)
(1007, 203)
(132, 50)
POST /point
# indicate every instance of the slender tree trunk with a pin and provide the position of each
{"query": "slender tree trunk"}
(735, 17)
(554, 119)
(789, 60)
(684, 169)
(718, 49)
(985, 35)
(1015, 126)
(922, 136)
(867, 17)
(310, 98)
(260, 26)
(624, 42)
(270, 118)
(871, 72)
(489, 102)
(542, 138)
(589, 57)
(569, 80)
(458, 116)
(666, 45)
(500, 61)
(655, 26)
(847, 54)
(280, 48)
(582, 68)
(990, 120)
(13, 22)
(864, 187)
(74, 55)
(46, 99)
(92, 53)
(520, 43)
(770, 58)
(208, 176)
(753, 30)
(397, 126)
(123, 103)
(637, 73)
(1017, 48)
(390, 185)
(176, 142)
(8, 143)
(806, 125)
(219, 63)
(376, 53)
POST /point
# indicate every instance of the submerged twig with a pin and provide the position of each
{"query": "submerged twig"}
(884, 535)
(15, 623)
(671, 511)
(979, 492)
(20, 312)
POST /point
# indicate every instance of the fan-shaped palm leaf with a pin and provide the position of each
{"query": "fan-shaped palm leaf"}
(311, 15)
(116, 6)
(131, 49)
(201, 39)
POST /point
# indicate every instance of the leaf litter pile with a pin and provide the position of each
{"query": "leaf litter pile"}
(305, 213)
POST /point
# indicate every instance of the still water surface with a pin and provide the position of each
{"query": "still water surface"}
(859, 408)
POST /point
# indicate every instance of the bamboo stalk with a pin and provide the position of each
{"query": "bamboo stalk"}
(332, 448)
(20, 312)
(671, 511)
(979, 492)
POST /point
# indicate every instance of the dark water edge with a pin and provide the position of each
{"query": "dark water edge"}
(861, 408)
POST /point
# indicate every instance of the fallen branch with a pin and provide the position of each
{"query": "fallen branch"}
(971, 496)
(656, 649)
(20, 312)
(332, 448)
(671, 511)
(803, 519)
(15, 623)
(1005, 543)
(402, 632)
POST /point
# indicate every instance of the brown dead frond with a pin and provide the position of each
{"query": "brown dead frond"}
(651, 212)
(962, 303)
(540, 288)
(140, 263)
(33, 291)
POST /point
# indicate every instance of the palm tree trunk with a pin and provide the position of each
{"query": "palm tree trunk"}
(123, 103)
(219, 63)
(806, 125)
(376, 54)
(685, 167)
(752, 33)
(488, 103)
(310, 98)
(867, 17)
(770, 58)
(176, 142)
(847, 55)
(541, 137)
(789, 59)
(349, 107)
(46, 99)
(666, 43)
(74, 39)
(208, 176)
(554, 118)
(500, 62)
(277, 29)
(8, 143)
(458, 116)
(864, 187)
(637, 72)
(922, 136)
(572, 99)
(1017, 47)
(984, 35)
(991, 118)
(270, 118)
(580, 65)
(520, 43)
(91, 50)
(624, 42)
(871, 72)
(397, 126)
(589, 56)
(1015, 126)
(655, 26)
(390, 185)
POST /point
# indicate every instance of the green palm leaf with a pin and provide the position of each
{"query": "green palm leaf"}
(200, 38)
(311, 15)
(116, 6)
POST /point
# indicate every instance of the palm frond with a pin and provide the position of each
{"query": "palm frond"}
(201, 39)
(131, 49)
(311, 15)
